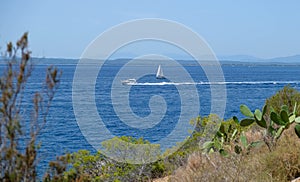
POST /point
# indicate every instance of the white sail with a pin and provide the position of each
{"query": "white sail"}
(159, 73)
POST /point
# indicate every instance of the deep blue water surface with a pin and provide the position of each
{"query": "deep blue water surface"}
(246, 84)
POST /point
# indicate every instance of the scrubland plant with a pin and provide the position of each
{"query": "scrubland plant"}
(84, 166)
(229, 137)
(280, 164)
(18, 160)
(230, 154)
(277, 124)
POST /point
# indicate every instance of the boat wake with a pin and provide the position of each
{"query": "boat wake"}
(219, 83)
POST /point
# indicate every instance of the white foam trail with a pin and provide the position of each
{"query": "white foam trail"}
(218, 83)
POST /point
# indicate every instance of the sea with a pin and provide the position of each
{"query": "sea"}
(149, 108)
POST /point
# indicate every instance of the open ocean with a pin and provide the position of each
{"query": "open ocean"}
(248, 84)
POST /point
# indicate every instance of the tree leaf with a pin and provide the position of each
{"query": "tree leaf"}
(292, 118)
(247, 122)
(285, 108)
(222, 128)
(244, 140)
(276, 119)
(297, 120)
(235, 119)
(233, 134)
(246, 111)
(262, 123)
(258, 114)
(272, 109)
(284, 116)
(223, 152)
(297, 130)
(264, 110)
(208, 145)
(279, 131)
(295, 108)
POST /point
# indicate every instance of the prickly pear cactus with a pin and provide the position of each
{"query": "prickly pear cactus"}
(257, 116)
(279, 121)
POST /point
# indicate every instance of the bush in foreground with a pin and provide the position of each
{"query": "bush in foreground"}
(18, 160)
(236, 152)
(281, 164)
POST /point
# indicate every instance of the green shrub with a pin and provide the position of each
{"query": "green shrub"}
(237, 140)
(96, 167)
(274, 118)
(280, 164)
(287, 96)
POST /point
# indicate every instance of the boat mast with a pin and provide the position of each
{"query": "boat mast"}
(159, 73)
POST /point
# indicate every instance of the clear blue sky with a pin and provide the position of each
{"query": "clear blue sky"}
(63, 28)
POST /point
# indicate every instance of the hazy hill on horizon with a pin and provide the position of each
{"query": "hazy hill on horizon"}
(226, 59)
(248, 58)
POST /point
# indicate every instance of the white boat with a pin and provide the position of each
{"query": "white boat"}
(159, 73)
(130, 81)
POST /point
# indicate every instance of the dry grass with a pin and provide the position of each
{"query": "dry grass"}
(165, 179)
(214, 167)
(281, 164)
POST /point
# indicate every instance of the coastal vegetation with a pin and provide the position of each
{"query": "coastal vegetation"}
(263, 146)
(18, 133)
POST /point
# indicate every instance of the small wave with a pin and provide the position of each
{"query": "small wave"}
(219, 83)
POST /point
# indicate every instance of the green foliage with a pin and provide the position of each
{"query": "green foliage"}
(287, 96)
(130, 150)
(281, 164)
(274, 118)
(226, 138)
(229, 137)
(247, 122)
(177, 156)
(96, 167)
(246, 111)
(257, 116)
(279, 121)
(297, 130)
(259, 165)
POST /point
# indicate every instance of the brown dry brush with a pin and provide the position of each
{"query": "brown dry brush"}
(17, 164)
(280, 164)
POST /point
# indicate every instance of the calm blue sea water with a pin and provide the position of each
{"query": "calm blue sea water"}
(247, 84)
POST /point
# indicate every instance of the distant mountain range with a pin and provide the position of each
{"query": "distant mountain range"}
(226, 59)
(247, 58)
(239, 58)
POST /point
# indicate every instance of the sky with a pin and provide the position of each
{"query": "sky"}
(64, 28)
